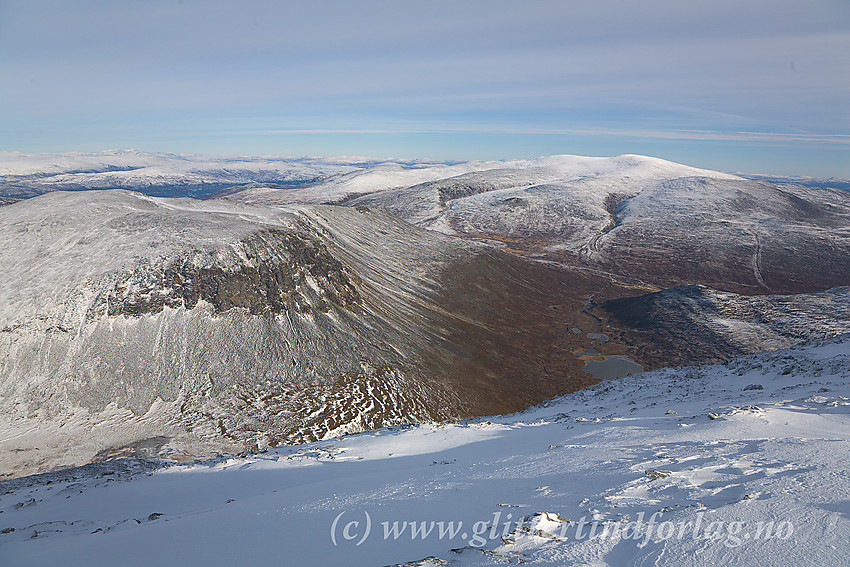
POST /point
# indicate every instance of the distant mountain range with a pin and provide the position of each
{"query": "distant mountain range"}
(165, 175)
(834, 182)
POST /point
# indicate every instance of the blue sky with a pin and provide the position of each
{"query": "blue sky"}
(756, 86)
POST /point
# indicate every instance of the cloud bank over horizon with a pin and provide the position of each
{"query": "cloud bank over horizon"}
(763, 86)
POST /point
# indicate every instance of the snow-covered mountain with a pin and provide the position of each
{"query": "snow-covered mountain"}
(136, 325)
(140, 325)
(644, 220)
(543, 193)
(742, 463)
(317, 299)
(168, 175)
(639, 219)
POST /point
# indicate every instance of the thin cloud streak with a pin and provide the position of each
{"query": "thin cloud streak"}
(842, 139)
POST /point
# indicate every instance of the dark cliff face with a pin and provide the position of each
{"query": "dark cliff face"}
(265, 272)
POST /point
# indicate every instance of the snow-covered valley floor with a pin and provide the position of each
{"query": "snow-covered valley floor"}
(742, 463)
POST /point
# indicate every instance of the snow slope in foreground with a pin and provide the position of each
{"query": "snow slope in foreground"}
(652, 465)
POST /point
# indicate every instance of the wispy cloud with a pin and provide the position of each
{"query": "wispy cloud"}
(704, 135)
(765, 71)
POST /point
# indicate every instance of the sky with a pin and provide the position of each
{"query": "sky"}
(759, 86)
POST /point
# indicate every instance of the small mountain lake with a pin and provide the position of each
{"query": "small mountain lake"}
(607, 367)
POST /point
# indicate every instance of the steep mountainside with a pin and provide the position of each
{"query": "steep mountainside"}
(741, 463)
(136, 324)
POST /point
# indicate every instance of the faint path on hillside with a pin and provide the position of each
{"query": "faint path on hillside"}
(756, 260)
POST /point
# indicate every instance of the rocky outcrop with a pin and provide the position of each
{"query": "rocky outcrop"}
(265, 272)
